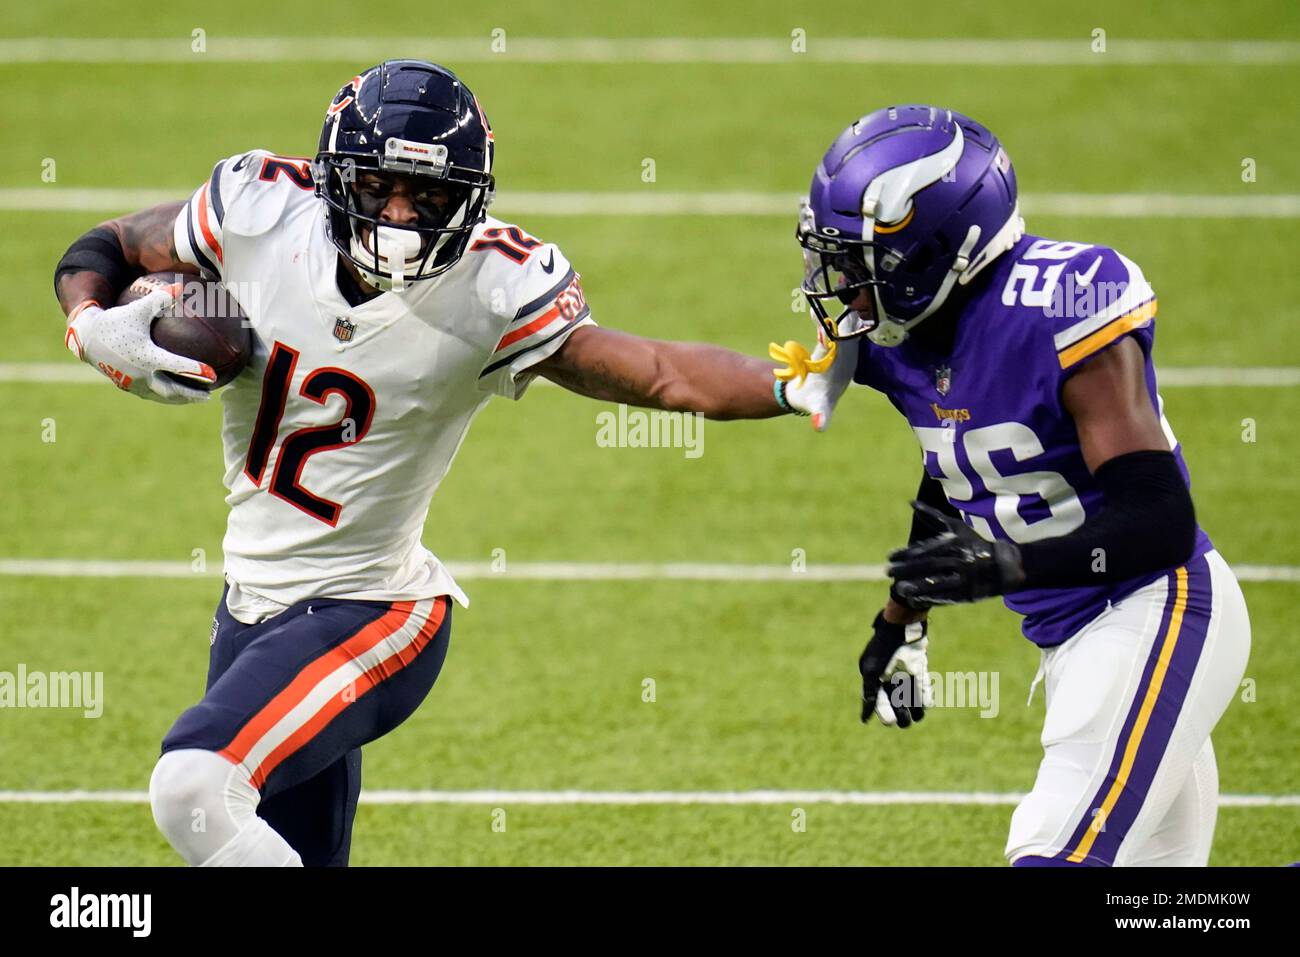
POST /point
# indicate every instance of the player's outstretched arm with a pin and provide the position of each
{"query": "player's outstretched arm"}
(684, 377)
(116, 340)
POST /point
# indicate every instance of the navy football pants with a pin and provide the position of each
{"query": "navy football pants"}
(292, 700)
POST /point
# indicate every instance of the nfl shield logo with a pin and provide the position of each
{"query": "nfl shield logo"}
(343, 329)
(943, 379)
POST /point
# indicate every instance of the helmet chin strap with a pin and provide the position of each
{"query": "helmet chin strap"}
(890, 332)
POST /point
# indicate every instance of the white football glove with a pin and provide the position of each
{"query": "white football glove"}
(812, 384)
(117, 342)
(895, 673)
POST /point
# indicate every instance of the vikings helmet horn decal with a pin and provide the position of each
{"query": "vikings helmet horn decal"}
(908, 202)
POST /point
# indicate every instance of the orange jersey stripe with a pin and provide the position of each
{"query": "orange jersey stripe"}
(1107, 334)
(379, 672)
(311, 675)
(204, 225)
(523, 332)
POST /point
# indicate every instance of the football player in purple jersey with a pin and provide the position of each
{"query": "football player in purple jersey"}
(1050, 477)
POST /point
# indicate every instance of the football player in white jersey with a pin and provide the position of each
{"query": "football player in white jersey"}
(386, 308)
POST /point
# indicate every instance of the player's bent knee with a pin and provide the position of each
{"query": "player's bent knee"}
(193, 778)
(207, 809)
(197, 802)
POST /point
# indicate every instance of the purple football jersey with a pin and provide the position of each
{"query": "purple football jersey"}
(989, 416)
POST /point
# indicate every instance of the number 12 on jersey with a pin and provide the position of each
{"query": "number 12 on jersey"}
(300, 445)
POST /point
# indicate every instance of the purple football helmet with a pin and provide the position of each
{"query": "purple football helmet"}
(907, 202)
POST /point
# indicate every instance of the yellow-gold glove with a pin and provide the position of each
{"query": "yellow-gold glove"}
(811, 383)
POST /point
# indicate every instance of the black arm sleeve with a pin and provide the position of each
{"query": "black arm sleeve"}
(99, 251)
(1147, 524)
(931, 493)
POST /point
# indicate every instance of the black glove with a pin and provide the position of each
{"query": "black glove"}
(956, 565)
(895, 656)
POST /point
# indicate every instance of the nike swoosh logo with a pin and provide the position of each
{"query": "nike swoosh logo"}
(549, 265)
(1085, 279)
(241, 162)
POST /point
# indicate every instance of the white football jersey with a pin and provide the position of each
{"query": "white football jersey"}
(346, 419)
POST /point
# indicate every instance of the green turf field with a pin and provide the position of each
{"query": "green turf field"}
(755, 683)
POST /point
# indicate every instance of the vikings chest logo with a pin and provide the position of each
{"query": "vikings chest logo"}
(942, 379)
(344, 330)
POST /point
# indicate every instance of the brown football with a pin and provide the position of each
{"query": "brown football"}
(206, 324)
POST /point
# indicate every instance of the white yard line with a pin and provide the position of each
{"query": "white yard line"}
(75, 568)
(508, 798)
(776, 49)
(1251, 376)
(651, 201)
(1161, 205)
(70, 372)
(73, 373)
(59, 199)
(548, 571)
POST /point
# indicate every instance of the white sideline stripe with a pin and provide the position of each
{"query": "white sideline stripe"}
(654, 202)
(551, 571)
(75, 373)
(661, 50)
(505, 798)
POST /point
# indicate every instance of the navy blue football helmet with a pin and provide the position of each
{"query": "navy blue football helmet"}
(417, 119)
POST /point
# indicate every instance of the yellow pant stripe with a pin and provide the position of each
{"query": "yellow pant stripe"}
(1139, 726)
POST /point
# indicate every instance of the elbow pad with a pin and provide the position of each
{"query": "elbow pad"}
(1147, 523)
(100, 252)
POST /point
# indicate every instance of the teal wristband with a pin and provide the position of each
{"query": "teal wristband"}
(778, 390)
